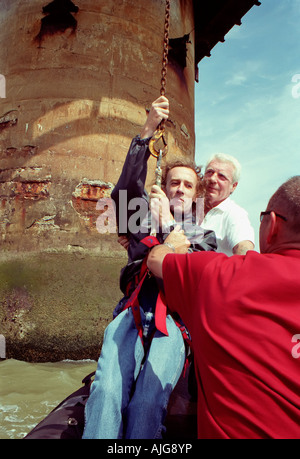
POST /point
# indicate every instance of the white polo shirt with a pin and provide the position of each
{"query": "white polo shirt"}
(231, 224)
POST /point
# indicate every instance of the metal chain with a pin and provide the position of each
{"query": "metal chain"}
(158, 137)
(157, 150)
(166, 49)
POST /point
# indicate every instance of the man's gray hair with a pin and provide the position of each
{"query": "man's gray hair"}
(224, 158)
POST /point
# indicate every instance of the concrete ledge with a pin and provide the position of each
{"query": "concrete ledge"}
(56, 306)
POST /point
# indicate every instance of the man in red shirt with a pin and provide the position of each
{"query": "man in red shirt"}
(243, 316)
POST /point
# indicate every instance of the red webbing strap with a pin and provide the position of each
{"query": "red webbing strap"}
(149, 241)
(161, 308)
(135, 307)
(161, 325)
(188, 341)
(184, 333)
(161, 314)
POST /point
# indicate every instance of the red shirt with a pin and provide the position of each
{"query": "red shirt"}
(242, 313)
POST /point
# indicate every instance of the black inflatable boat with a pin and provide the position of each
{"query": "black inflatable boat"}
(66, 421)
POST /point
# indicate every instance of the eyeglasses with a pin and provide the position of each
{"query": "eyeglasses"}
(267, 212)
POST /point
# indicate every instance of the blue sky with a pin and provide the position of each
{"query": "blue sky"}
(247, 102)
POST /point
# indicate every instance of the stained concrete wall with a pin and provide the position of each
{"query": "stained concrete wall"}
(74, 99)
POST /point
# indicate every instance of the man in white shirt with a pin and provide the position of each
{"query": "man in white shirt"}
(230, 222)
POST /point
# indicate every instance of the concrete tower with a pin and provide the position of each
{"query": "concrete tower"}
(78, 78)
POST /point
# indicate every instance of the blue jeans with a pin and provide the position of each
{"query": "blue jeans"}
(129, 396)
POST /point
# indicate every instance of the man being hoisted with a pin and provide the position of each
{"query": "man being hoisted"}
(143, 350)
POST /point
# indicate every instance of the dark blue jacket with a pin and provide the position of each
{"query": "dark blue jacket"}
(132, 179)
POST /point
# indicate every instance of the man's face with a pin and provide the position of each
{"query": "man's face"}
(181, 188)
(218, 180)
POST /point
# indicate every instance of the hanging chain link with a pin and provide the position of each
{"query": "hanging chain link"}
(166, 50)
(158, 145)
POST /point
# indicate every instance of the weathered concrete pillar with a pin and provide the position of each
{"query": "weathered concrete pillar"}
(75, 97)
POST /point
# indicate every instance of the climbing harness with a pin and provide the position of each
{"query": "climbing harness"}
(161, 306)
(158, 144)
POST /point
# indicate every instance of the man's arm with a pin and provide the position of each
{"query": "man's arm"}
(242, 248)
(156, 258)
(134, 171)
(176, 242)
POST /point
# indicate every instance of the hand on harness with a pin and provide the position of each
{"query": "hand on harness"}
(178, 240)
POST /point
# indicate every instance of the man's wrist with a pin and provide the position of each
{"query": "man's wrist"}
(171, 246)
(146, 133)
(143, 139)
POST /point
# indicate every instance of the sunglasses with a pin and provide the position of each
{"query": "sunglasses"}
(267, 212)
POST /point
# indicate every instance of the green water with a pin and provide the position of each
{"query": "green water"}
(29, 391)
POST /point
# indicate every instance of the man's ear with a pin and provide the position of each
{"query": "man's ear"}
(234, 185)
(272, 228)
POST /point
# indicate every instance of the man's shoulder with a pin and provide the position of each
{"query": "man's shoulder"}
(231, 208)
(229, 204)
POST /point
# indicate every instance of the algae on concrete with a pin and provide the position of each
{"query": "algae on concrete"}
(56, 306)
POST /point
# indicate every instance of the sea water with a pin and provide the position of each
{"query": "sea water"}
(29, 391)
